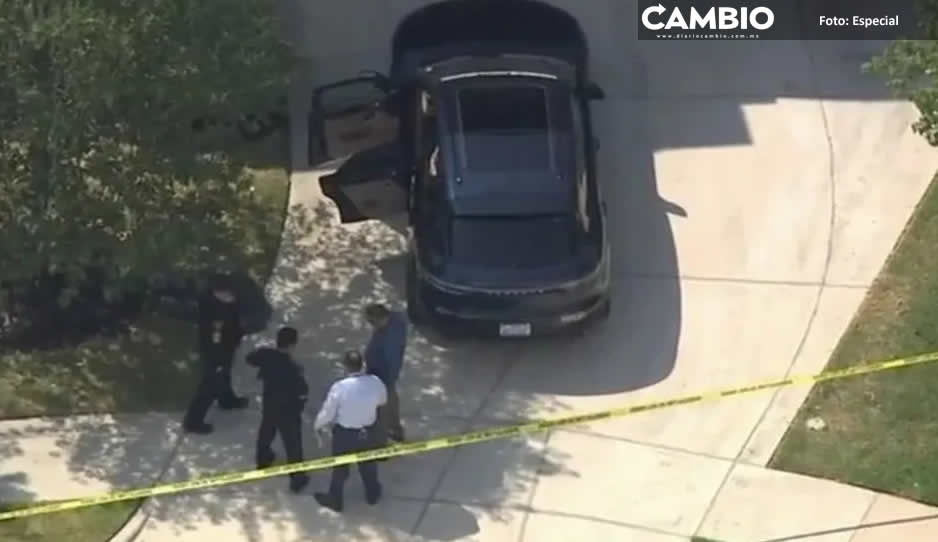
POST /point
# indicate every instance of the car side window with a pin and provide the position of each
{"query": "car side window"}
(426, 158)
(582, 188)
(430, 148)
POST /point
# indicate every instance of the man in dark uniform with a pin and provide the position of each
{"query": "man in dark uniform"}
(220, 333)
(351, 410)
(285, 392)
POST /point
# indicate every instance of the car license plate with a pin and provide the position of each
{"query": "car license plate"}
(514, 330)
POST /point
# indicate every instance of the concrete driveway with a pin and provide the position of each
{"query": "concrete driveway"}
(754, 190)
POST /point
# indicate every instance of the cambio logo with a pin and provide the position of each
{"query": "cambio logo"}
(721, 18)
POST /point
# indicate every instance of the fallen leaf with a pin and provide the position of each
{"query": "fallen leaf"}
(816, 424)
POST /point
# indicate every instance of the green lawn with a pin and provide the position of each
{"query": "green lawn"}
(141, 371)
(882, 429)
(95, 524)
(151, 369)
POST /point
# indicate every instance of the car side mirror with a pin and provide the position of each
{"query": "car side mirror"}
(378, 79)
(672, 208)
(592, 91)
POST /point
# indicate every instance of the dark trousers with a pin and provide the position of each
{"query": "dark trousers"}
(345, 441)
(389, 417)
(287, 422)
(214, 385)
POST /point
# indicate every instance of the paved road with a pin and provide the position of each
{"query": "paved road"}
(754, 189)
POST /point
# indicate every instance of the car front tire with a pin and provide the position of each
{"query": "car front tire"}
(606, 309)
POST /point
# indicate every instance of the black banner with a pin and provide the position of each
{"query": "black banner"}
(781, 20)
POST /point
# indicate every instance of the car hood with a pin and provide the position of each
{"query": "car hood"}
(516, 252)
(546, 277)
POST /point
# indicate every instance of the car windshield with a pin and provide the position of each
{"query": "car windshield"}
(506, 128)
(511, 242)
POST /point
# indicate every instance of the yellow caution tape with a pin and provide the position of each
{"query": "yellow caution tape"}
(455, 440)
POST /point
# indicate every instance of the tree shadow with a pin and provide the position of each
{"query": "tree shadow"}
(13, 488)
(326, 273)
(78, 456)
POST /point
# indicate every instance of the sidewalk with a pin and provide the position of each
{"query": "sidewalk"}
(552, 492)
(64, 458)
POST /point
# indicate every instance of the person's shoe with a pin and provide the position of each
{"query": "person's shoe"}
(198, 428)
(238, 403)
(374, 498)
(299, 483)
(396, 437)
(326, 500)
(267, 462)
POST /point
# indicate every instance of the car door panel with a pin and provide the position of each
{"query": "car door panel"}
(368, 185)
(346, 134)
(350, 116)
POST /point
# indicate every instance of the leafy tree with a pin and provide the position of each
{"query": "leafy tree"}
(99, 165)
(910, 68)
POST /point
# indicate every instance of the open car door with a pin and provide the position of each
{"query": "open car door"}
(350, 116)
(368, 185)
(353, 119)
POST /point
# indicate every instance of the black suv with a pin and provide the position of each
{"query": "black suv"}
(482, 134)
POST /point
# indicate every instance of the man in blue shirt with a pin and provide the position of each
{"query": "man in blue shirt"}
(384, 358)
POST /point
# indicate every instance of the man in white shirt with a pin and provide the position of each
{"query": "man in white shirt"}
(351, 410)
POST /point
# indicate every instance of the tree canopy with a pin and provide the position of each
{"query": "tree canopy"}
(910, 68)
(98, 161)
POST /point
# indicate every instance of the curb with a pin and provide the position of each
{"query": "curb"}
(134, 524)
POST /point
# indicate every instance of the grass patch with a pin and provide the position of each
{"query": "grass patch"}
(94, 524)
(151, 369)
(881, 430)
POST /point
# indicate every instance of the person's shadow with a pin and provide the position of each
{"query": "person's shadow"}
(13, 489)
(328, 272)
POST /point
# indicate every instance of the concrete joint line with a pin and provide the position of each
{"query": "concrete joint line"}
(634, 526)
(537, 478)
(831, 173)
(495, 422)
(649, 445)
(755, 99)
(865, 515)
(513, 356)
(131, 529)
(553, 513)
(732, 280)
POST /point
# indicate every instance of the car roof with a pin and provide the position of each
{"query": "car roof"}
(544, 190)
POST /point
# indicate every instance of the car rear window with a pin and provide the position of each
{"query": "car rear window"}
(511, 242)
(505, 128)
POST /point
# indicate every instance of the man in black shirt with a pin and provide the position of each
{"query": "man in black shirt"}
(285, 393)
(220, 333)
